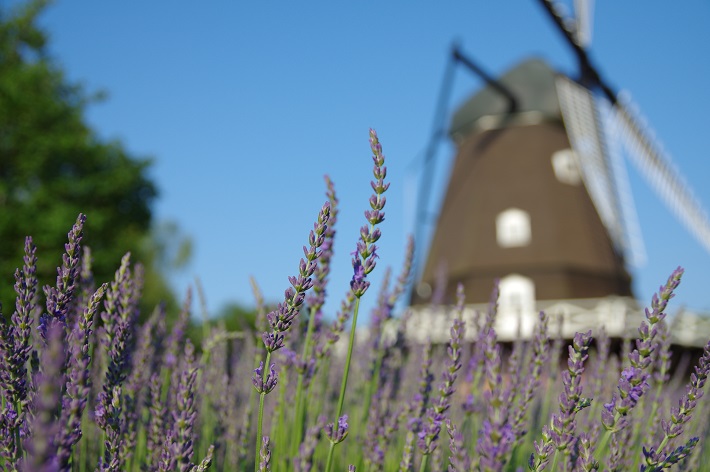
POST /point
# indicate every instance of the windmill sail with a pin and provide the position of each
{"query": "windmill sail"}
(635, 248)
(586, 135)
(594, 137)
(657, 166)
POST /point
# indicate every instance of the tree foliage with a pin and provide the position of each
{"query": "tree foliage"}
(54, 166)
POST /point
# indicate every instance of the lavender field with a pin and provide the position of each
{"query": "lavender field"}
(86, 387)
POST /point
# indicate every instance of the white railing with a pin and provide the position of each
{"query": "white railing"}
(620, 316)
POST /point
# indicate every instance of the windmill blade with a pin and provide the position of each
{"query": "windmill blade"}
(658, 168)
(586, 135)
(584, 13)
(568, 26)
(634, 245)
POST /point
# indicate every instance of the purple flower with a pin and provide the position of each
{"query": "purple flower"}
(492, 438)
(408, 452)
(429, 435)
(18, 341)
(112, 423)
(286, 312)
(458, 460)
(185, 413)
(358, 284)
(41, 447)
(532, 379)
(680, 415)
(167, 461)
(206, 462)
(60, 297)
(634, 384)
(541, 457)
(586, 461)
(261, 384)
(571, 401)
(155, 431)
(265, 455)
(337, 435)
(316, 298)
(654, 463)
(78, 385)
(633, 381)
(477, 358)
(608, 411)
(364, 260)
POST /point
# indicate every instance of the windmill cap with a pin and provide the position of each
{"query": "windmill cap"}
(532, 82)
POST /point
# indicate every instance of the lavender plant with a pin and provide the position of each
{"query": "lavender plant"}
(363, 264)
(84, 386)
(284, 316)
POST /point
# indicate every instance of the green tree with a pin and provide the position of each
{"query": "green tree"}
(54, 166)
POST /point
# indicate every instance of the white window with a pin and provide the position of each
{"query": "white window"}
(564, 164)
(517, 293)
(513, 228)
(516, 305)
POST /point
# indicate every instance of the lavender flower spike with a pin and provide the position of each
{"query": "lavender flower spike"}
(571, 400)
(261, 384)
(633, 381)
(60, 297)
(680, 414)
(430, 433)
(78, 386)
(206, 462)
(339, 433)
(41, 448)
(458, 460)
(18, 354)
(364, 260)
(265, 455)
(185, 415)
(286, 312)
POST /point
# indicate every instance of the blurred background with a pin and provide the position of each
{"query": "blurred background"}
(197, 135)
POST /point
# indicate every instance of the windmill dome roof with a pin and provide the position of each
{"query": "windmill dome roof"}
(533, 84)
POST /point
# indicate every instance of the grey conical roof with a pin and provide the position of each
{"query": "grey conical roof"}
(533, 84)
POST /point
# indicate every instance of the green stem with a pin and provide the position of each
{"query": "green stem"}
(202, 448)
(554, 460)
(425, 460)
(344, 383)
(605, 439)
(260, 419)
(663, 443)
(18, 441)
(139, 457)
(329, 460)
(83, 445)
(300, 417)
(280, 432)
(372, 387)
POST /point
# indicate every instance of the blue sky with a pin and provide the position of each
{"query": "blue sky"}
(246, 105)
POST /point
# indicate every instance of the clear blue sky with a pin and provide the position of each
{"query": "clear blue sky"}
(245, 105)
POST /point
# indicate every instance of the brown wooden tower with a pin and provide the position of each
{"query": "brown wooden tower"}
(516, 203)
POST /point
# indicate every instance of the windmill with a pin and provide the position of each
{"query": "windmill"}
(538, 197)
